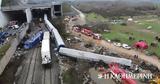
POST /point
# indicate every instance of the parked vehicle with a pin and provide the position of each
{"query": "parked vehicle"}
(97, 36)
(114, 69)
(118, 74)
(117, 44)
(126, 46)
(87, 32)
(13, 25)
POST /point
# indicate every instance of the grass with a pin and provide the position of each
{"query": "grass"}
(136, 30)
(91, 17)
(66, 8)
(155, 26)
(3, 50)
(123, 32)
(71, 77)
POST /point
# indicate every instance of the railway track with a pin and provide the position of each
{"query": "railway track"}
(33, 72)
(47, 76)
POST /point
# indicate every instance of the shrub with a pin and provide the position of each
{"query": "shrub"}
(124, 24)
(150, 53)
(116, 40)
(3, 49)
(71, 77)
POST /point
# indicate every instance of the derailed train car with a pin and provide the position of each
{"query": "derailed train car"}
(33, 41)
(55, 33)
(45, 49)
(93, 56)
(82, 54)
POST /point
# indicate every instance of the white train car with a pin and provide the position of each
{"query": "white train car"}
(93, 57)
(54, 31)
(45, 49)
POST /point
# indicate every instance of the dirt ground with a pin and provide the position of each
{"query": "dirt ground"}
(8, 75)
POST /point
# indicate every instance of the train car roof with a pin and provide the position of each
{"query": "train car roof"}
(46, 35)
(93, 56)
(37, 35)
(58, 38)
(45, 45)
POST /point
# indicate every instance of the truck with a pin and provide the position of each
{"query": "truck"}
(87, 31)
(115, 70)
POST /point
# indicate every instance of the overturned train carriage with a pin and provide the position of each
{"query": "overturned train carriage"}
(55, 33)
(93, 57)
(33, 41)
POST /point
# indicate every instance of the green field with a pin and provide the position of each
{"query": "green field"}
(137, 29)
(155, 25)
(122, 33)
(3, 50)
(93, 17)
(66, 8)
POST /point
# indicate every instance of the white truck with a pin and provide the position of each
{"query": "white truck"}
(45, 49)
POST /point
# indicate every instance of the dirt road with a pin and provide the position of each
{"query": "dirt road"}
(121, 51)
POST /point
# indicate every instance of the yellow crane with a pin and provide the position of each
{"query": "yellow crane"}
(155, 80)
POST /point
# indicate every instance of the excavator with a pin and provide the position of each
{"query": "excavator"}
(156, 80)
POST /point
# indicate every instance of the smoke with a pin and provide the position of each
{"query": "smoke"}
(3, 17)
